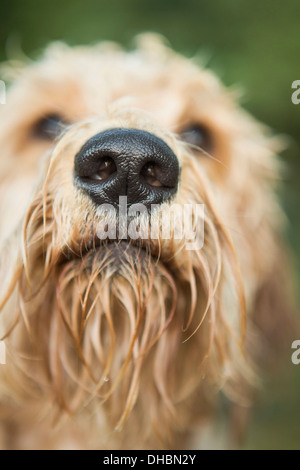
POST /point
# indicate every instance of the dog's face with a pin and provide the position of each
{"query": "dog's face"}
(110, 318)
(108, 88)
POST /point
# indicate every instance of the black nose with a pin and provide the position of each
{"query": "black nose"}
(127, 162)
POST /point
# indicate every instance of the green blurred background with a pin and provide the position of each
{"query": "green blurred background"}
(254, 44)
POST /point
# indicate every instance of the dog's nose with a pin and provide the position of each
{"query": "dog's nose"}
(127, 162)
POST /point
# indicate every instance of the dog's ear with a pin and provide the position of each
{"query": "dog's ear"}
(274, 316)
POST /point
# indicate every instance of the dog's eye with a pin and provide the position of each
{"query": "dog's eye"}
(198, 137)
(49, 127)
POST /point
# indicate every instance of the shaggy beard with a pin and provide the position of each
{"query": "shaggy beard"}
(114, 305)
(121, 332)
(103, 324)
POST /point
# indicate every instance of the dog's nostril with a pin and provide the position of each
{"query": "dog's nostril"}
(106, 168)
(152, 174)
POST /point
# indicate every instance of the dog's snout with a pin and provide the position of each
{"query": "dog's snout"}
(127, 162)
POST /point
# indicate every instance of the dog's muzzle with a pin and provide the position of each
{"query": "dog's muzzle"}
(126, 162)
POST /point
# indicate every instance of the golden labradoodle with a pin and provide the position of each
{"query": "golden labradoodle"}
(121, 336)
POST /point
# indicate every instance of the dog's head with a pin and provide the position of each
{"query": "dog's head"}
(110, 300)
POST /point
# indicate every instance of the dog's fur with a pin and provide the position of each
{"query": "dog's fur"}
(120, 346)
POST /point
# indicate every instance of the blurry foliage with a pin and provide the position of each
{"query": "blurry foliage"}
(255, 44)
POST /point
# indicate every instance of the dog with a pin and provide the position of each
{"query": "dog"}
(132, 341)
